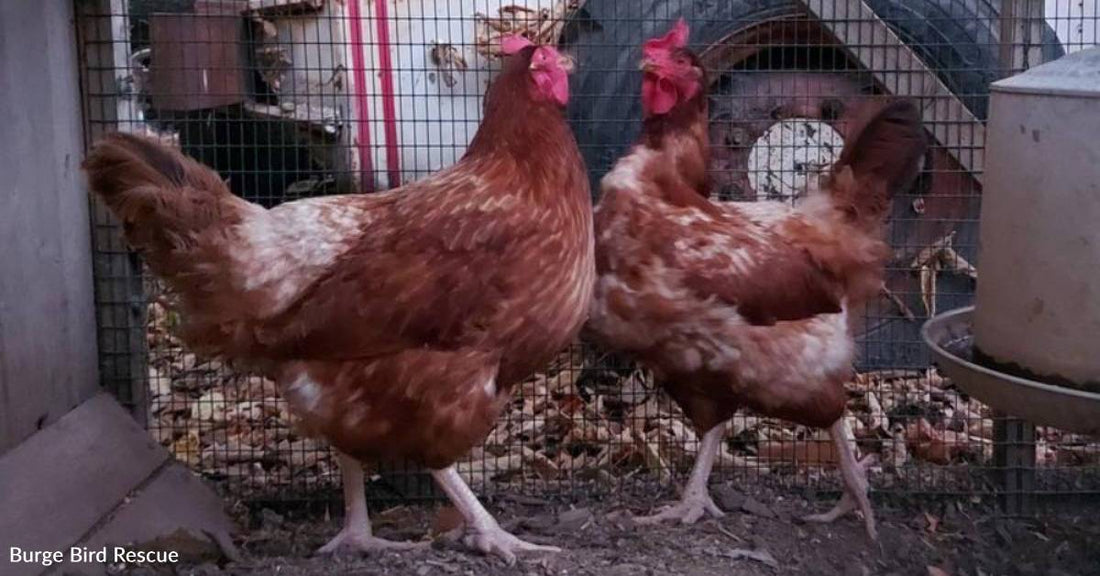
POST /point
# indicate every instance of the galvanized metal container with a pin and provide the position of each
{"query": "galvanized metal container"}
(1038, 297)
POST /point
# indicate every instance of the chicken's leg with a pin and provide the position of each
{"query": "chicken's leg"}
(696, 501)
(854, 473)
(483, 533)
(356, 534)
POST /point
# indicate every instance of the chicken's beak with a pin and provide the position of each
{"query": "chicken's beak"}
(647, 66)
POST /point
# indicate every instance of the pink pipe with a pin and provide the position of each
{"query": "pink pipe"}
(362, 103)
(389, 108)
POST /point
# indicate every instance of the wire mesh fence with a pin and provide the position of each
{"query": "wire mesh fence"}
(289, 99)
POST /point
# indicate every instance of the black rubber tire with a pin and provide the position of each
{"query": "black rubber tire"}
(952, 36)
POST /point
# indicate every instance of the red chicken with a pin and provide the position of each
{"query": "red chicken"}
(395, 324)
(742, 304)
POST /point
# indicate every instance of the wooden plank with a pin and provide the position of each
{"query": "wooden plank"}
(1035, 23)
(900, 71)
(1007, 37)
(59, 483)
(1021, 35)
(47, 315)
(173, 499)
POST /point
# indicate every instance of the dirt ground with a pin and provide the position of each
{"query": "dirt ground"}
(952, 538)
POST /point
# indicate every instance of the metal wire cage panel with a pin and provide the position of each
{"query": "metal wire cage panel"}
(290, 99)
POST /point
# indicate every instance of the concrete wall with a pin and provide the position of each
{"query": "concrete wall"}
(47, 317)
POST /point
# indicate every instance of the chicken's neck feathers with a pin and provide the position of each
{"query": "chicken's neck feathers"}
(679, 140)
(517, 123)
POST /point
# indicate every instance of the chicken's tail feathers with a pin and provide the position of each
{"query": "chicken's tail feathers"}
(881, 157)
(161, 196)
(121, 163)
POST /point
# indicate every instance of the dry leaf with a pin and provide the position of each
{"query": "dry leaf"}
(210, 407)
(186, 449)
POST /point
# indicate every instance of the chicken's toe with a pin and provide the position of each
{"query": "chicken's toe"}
(846, 504)
(854, 474)
(361, 541)
(687, 511)
(498, 542)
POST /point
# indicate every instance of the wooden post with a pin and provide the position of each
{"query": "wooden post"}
(1021, 38)
(1021, 35)
(48, 360)
(1014, 460)
(103, 39)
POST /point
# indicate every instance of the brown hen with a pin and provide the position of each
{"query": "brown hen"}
(395, 324)
(742, 304)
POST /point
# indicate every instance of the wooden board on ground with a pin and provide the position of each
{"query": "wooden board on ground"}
(84, 473)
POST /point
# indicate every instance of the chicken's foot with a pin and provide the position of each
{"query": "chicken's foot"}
(356, 535)
(696, 501)
(854, 473)
(483, 533)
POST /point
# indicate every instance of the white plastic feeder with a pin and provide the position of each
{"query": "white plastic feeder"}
(1037, 308)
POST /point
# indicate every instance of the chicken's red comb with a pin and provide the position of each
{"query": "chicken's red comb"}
(677, 37)
(514, 43)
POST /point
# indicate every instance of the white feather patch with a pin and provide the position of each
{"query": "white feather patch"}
(285, 249)
(626, 173)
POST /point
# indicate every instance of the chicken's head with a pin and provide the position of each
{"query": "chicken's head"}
(549, 69)
(672, 74)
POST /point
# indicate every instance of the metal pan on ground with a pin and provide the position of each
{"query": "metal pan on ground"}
(950, 338)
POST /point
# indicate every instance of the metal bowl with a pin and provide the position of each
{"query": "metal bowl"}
(951, 339)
